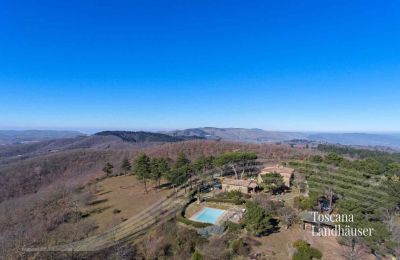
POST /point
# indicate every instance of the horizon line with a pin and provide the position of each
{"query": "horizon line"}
(90, 130)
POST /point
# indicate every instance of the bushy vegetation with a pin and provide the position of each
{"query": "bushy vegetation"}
(197, 256)
(256, 220)
(232, 226)
(170, 240)
(306, 203)
(234, 197)
(305, 252)
(273, 182)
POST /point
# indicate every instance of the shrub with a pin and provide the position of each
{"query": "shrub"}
(300, 244)
(316, 159)
(232, 226)
(256, 219)
(305, 251)
(116, 211)
(303, 203)
(333, 158)
(238, 247)
(197, 256)
(233, 194)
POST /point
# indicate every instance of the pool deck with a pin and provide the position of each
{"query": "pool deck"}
(217, 222)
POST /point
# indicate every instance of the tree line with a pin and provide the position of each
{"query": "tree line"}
(183, 170)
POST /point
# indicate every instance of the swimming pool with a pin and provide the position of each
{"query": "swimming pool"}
(208, 215)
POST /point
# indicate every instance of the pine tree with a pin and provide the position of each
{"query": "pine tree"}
(158, 167)
(142, 169)
(126, 166)
(108, 168)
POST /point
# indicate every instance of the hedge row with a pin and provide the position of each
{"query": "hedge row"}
(233, 201)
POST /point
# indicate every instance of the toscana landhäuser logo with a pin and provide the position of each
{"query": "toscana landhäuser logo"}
(337, 225)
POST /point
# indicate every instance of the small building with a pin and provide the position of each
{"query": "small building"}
(244, 186)
(311, 223)
(285, 172)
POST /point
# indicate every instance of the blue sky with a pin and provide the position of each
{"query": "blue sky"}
(276, 65)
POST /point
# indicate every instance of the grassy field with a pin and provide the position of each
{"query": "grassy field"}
(125, 194)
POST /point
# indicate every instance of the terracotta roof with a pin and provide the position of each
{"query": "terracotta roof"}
(243, 183)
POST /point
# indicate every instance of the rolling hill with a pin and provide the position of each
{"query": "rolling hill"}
(253, 135)
(107, 140)
(26, 136)
(388, 140)
(256, 135)
(143, 137)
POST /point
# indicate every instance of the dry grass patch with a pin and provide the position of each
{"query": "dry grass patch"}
(124, 193)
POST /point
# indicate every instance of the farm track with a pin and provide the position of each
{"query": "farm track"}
(130, 229)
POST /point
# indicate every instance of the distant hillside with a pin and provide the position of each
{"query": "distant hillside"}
(238, 134)
(144, 137)
(358, 139)
(110, 140)
(13, 152)
(25, 136)
(262, 136)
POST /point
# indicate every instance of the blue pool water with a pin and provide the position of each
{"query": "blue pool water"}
(208, 215)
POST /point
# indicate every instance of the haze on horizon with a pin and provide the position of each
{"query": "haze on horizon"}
(153, 65)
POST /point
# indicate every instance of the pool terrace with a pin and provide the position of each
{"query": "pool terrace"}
(214, 213)
(209, 215)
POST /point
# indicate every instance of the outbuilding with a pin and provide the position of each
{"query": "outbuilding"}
(244, 186)
(285, 172)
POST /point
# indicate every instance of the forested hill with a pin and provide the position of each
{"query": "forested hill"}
(144, 137)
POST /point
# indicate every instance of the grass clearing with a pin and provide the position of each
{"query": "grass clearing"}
(123, 193)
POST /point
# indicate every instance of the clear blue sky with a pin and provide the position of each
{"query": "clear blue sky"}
(276, 65)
